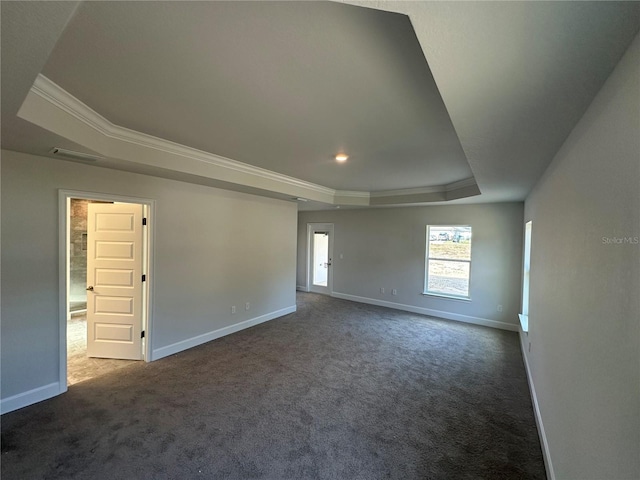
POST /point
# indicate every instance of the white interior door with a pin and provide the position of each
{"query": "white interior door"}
(320, 258)
(114, 281)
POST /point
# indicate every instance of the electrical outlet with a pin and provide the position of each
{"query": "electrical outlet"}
(233, 309)
(394, 292)
(499, 308)
(247, 306)
(381, 289)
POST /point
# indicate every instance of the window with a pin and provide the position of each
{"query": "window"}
(524, 316)
(448, 260)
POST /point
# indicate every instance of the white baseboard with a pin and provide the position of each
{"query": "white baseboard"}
(53, 389)
(428, 311)
(29, 398)
(177, 347)
(546, 454)
(301, 288)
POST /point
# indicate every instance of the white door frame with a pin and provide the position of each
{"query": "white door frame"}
(64, 203)
(312, 227)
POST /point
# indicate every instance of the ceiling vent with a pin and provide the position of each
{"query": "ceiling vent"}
(63, 152)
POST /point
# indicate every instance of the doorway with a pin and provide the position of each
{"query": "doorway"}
(105, 250)
(320, 258)
(78, 215)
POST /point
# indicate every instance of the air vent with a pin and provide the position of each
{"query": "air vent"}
(62, 152)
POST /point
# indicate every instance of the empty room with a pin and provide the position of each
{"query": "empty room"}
(320, 240)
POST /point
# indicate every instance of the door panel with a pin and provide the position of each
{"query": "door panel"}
(113, 305)
(113, 333)
(114, 281)
(115, 251)
(113, 278)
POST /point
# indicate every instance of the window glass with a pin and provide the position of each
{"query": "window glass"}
(448, 260)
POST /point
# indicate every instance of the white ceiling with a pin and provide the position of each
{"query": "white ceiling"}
(283, 86)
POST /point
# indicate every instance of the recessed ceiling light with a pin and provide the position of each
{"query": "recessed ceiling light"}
(341, 157)
(300, 199)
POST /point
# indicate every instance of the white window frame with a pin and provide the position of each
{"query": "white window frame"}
(426, 265)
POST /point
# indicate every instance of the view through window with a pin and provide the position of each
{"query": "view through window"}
(448, 260)
(524, 316)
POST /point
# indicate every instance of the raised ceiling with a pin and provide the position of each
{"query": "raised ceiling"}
(283, 86)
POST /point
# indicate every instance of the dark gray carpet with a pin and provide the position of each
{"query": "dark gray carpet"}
(338, 390)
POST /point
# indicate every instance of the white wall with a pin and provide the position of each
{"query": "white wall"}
(584, 313)
(213, 249)
(386, 248)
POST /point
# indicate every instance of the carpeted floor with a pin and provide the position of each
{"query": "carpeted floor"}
(338, 390)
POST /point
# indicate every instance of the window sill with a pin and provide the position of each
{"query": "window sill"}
(448, 297)
(524, 322)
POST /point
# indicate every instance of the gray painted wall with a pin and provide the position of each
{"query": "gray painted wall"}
(584, 325)
(386, 248)
(213, 249)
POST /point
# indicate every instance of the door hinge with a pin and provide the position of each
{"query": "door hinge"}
(144, 278)
(142, 334)
(144, 221)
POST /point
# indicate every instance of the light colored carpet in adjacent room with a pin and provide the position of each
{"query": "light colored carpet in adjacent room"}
(79, 366)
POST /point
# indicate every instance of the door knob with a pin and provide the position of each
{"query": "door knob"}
(90, 288)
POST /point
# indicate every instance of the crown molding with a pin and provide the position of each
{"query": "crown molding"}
(55, 96)
(352, 194)
(407, 191)
(467, 182)
(53, 93)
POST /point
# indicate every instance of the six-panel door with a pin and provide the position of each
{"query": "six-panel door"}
(114, 281)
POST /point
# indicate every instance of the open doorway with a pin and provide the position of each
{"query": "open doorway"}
(319, 254)
(81, 366)
(78, 215)
(105, 292)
